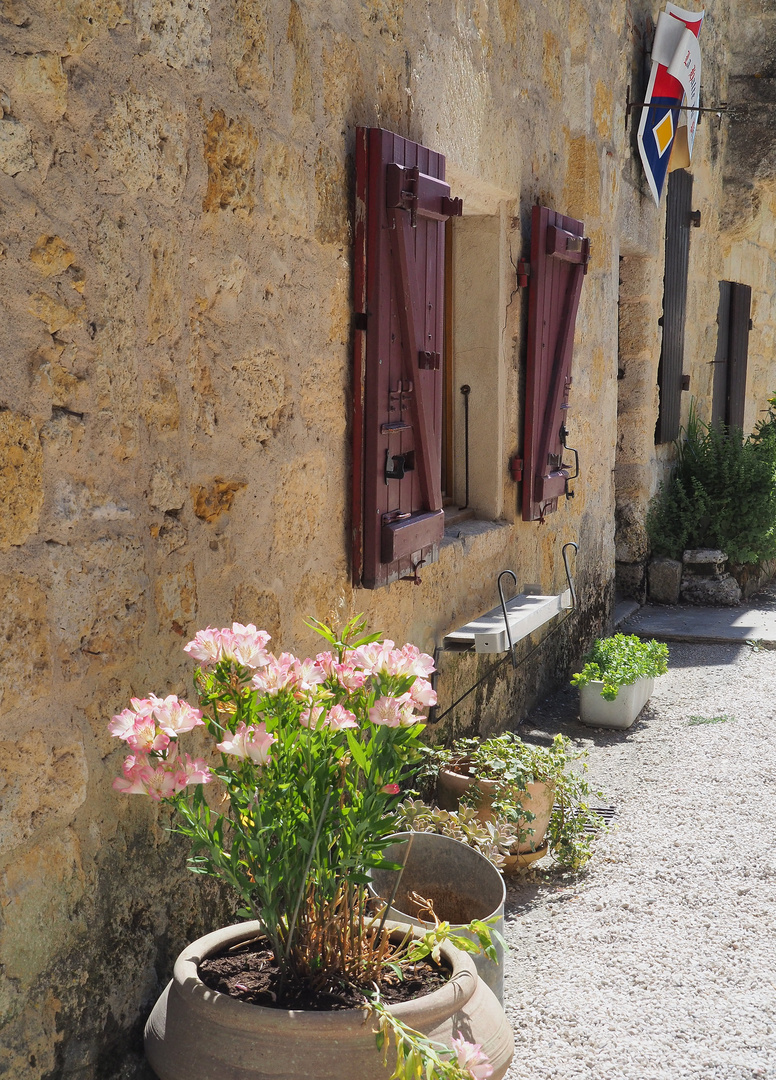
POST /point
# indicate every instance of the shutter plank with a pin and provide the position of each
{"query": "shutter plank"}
(720, 381)
(740, 309)
(677, 257)
(559, 257)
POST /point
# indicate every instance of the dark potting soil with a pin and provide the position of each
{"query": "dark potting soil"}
(248, 972)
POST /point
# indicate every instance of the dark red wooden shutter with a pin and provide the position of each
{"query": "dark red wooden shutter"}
(729, 389)
(559, 256)
(719, 385)
(740, 311)
(402, 203)
(670, 371)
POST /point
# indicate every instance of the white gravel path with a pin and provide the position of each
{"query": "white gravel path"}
(659, 960)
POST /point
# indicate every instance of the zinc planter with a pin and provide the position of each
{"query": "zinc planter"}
(195, 1033)
(462, 884)
(538, 798)
(596, 711)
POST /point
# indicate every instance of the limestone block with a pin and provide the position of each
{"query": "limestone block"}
(321, 398)
(230, 148)
(705, 562)
(302, 97)
(250, 49)
(552, 65)
(300, 503)
(29, 1044)
(175, 598)
(214, 499)
(721, 591)
(664, 576)
(167, 490)
(21, 479)
(40, 783)
(254, 604)
(178, 32)
(51, 255)
(632, 542)
(171, 535)
(582, 190)
(603, 108)
(631, 580)
(331, 188)
(164, 293)
(145, 141)
(284, 186)
(87, 19)
(43, 77)
(262, 396)
(159, 405)
(15, 147)
(40, 888)
(55, 313)
(98, 592)
(25, 663)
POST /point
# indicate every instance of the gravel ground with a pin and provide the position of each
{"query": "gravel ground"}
(659, 959)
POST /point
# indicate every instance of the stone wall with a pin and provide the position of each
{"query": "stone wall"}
(176, 187)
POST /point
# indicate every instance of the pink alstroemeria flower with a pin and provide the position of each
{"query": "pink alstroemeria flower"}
(252, 742)
(247, 646)
(163, 782)
(339, 718)
(422, 693)
(420, 663)
(123, 724)
(175, 717)
(146, 737)
(386, 711)
(308, 674)
(136, 771)
(472, 1058)
(205, 646)
(196, 771)
(391, 789)
(276, 676)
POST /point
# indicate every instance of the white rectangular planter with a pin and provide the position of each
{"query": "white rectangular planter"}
(620, 713)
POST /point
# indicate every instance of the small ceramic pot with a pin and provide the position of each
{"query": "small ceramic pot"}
(596, 711)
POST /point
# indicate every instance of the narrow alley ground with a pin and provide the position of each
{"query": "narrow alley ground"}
(659, 960)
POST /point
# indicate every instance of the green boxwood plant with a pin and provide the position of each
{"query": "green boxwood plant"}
(621, 660)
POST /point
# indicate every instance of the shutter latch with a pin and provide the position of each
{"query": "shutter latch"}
(523, 273)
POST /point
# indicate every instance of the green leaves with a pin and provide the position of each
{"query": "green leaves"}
(721, 493)
(620, 661)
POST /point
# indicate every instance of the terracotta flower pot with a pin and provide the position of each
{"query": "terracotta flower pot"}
(195, 1033)
(538, 798)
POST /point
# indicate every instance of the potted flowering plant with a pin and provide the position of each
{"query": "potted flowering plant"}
(293, 812)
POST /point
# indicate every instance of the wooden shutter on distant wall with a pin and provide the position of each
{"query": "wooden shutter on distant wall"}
(671, 369)
(560, 253)
(402, 203)
(730, 363)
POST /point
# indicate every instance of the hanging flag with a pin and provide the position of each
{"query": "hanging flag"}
(675, 78)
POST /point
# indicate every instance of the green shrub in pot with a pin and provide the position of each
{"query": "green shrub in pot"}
(621, 660)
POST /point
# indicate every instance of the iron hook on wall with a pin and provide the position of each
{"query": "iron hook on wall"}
(504, 609)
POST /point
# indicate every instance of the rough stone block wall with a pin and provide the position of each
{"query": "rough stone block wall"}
(176, 182)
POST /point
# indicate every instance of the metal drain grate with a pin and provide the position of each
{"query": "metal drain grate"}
(606, 813)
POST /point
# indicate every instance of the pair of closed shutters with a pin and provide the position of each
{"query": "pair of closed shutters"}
(402, 205)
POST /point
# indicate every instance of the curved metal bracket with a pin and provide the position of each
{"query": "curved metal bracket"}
(572, 590)
(504, 610)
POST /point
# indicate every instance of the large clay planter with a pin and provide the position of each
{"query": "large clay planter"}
(462, 884)
(538, 798)
(195, 1033)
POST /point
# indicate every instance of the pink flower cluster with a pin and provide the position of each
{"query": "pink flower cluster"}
(243, 645)
(472, 1059)
(382, 658)
(248, 742)
(151, 728)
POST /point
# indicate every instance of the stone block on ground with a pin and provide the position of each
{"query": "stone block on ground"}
(664, 577)
(704, 562)
(721, 591)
